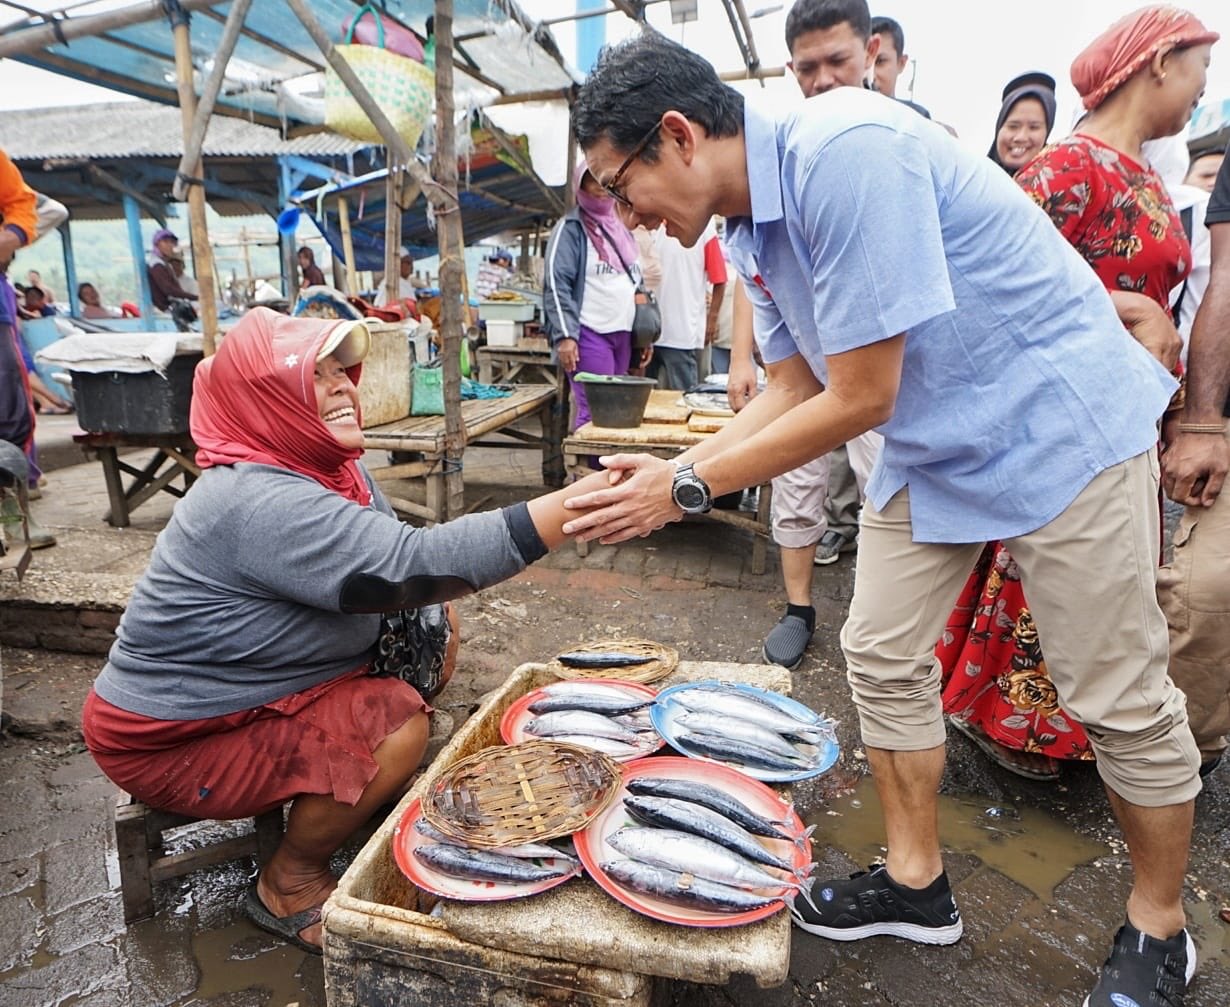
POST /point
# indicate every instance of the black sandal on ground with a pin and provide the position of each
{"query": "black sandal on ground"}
(286, 927)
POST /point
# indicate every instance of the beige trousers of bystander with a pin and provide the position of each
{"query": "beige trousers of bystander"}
(1090, 577)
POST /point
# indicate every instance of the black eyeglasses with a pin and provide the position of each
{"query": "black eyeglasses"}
(610, 187)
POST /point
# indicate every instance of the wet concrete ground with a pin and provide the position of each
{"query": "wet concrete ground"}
(1039, 869)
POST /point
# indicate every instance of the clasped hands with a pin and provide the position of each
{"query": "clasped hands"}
(637, 502)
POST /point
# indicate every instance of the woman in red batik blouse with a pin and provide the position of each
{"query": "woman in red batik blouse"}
(1139, 80)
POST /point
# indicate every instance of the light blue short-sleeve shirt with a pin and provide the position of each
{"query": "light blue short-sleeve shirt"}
(1019, 383)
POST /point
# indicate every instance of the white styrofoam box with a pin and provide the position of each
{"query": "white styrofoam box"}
(516, 311)
(501, 332)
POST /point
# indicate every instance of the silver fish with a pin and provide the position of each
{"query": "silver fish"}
(609, 706)
(480, 865)
(609, 746)
(799, 713)
(734, 704)
(580, 687)
(525, 851)
(705, 722)
(716, 800)
(579, 722)
(683, 889)
(681, 851)
(733, 750)
(668, 813)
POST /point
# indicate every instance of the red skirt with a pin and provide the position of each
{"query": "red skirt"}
(318, 741)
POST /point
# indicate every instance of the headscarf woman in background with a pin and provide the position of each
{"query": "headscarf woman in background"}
(1141, 79)
(240, 678)
(1025, 120)
(589, 289)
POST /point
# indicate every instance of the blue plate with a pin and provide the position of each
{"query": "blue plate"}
(667, 708)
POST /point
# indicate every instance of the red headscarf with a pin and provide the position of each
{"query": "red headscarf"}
(1129, 44)
(255, 401)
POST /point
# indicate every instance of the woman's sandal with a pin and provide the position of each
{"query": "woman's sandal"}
(286, 927)
(1030, 765)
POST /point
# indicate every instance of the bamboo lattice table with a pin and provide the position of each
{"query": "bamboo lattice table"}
(665, 440)
(424, 435)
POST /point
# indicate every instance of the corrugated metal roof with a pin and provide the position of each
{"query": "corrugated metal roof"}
(146, 129)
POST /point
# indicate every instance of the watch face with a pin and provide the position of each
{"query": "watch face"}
(689, 496)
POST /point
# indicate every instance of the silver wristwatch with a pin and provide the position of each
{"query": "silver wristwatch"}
(690, 492)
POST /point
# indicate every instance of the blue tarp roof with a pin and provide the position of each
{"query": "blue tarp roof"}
(505, 49)
(496, 196)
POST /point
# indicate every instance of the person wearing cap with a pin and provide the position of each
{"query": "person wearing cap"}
(406, 292)
(1026, 118)
(239, 678)
(163, 284)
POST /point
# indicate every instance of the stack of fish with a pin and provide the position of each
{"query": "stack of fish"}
(525, 864)
(697, 847)
(742, 727)
(598, 715)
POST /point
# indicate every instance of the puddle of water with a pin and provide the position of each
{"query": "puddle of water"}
(226, 969)
(1026, 845)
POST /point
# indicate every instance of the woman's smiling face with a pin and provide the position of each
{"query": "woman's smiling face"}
(337, 402)
(1022, 135)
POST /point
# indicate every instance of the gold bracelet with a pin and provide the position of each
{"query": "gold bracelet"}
(1202, 428)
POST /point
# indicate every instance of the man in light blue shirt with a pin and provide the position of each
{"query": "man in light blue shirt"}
(904, 284)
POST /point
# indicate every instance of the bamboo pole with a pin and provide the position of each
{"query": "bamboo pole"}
(202, 255)
(452, 263)
(392, 236)
(352, 275)
(25, 41)
(209, 94)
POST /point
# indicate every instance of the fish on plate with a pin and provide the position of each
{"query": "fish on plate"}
(579, 722)
(524, 851)
(741, 706)
(683, 816)
(682, 851)
(716, 800)
(706, 722)
(685, 889)
(482, 865)
(727, 749)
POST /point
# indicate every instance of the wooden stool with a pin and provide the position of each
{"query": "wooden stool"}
(143, 859)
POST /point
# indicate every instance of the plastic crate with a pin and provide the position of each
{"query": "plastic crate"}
(119, 402)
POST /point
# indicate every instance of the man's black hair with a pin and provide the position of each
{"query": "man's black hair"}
(820, 15)
(637, 81)
(33, 291)
(881, 25)
(81, 287)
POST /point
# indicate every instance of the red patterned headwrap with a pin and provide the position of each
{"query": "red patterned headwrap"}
(255, 399)
(1129, 44)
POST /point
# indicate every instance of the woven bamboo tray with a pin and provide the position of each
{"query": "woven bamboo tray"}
(664, 661)
(512, 794)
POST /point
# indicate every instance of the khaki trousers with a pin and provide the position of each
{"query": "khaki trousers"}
(1194, 591)
(1089, 576)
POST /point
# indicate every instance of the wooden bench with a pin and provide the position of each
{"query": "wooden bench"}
(144, 860)
(663, 434)
(424, 435)
(173, 457)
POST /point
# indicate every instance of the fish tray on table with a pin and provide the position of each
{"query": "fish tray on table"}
(388, 941)
(658, 661)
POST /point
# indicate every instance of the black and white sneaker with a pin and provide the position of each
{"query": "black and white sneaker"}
(871, 903)
(1143, 971)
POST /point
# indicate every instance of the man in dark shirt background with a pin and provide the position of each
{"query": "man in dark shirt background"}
(163, 286)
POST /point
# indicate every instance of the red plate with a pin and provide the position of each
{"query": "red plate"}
(512, 724)
(593, 849)
(406, 840)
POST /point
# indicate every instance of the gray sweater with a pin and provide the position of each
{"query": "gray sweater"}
(241, 602)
